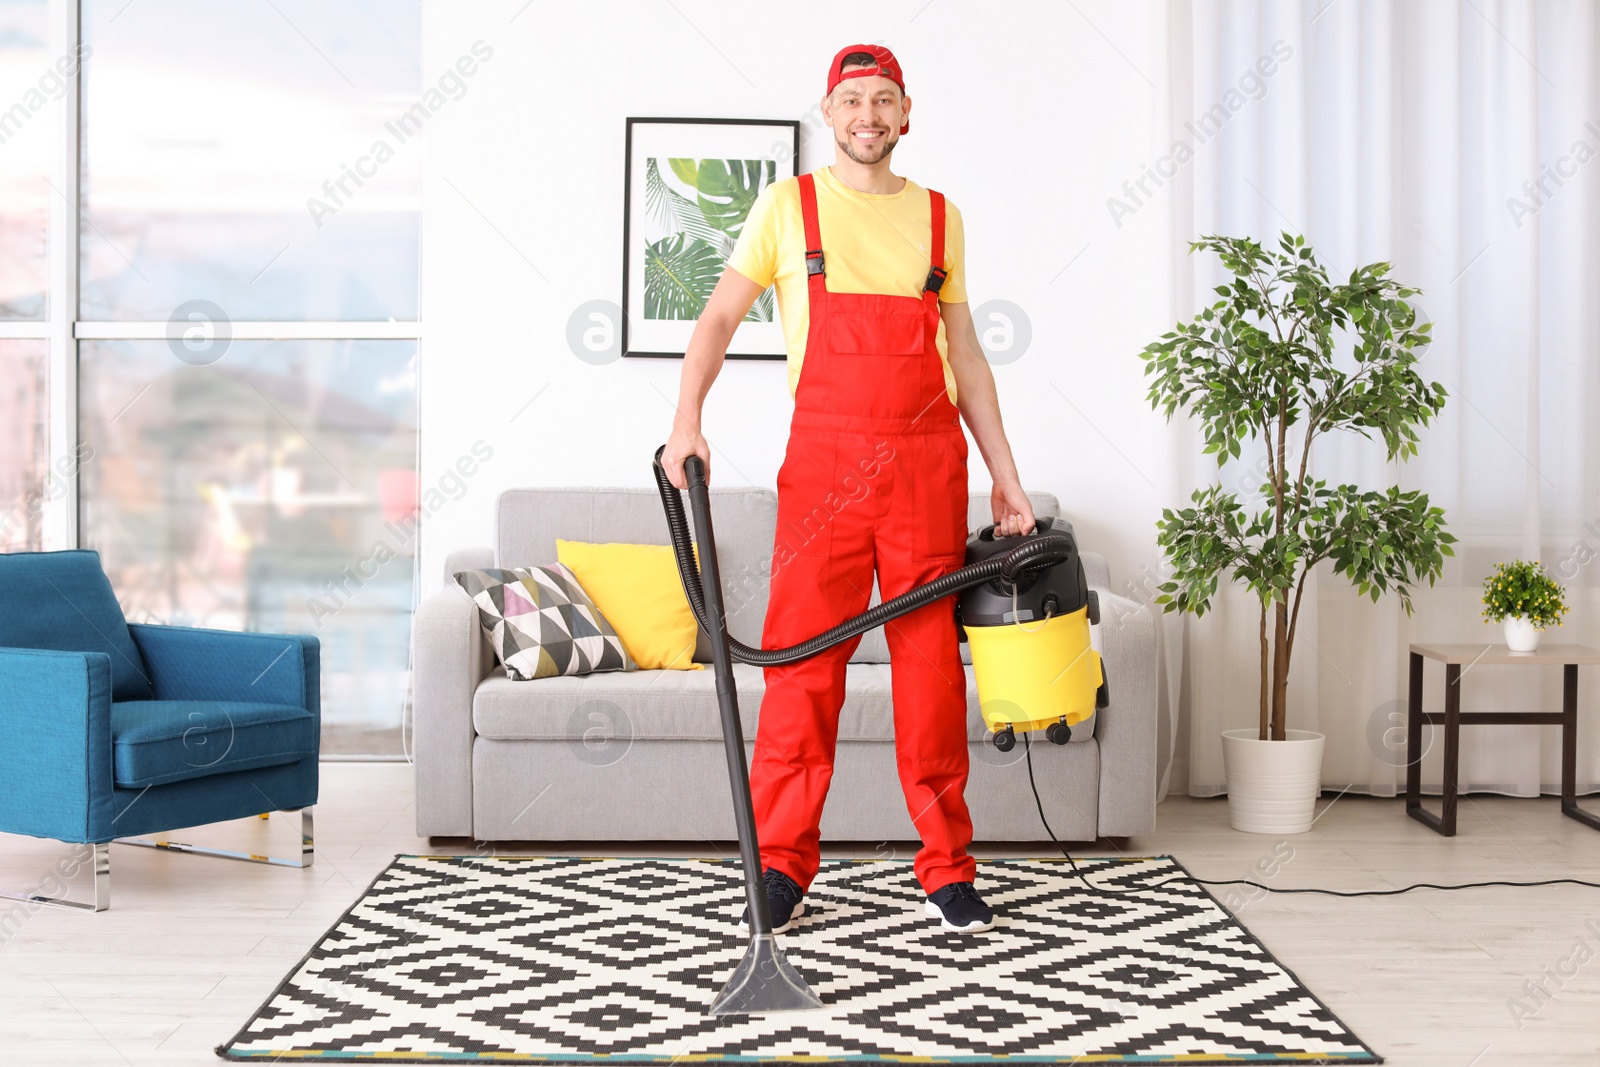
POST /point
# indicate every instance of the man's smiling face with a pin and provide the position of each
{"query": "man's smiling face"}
(866, 114)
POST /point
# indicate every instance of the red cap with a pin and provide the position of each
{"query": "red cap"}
(888, 67)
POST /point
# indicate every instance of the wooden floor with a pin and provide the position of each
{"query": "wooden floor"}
(192, 945)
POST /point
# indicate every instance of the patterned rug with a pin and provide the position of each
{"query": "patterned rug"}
(566, 960)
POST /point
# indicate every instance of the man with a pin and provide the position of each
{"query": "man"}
(883, 364)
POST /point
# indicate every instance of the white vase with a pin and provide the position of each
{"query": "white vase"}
(1272, 785)
(1521, 635)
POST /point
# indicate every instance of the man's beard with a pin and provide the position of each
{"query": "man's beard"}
(890, 139)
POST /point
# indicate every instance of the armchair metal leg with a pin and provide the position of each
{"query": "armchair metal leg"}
(64, 868)
(307, 846)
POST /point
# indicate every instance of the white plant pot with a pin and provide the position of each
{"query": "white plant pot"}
(1272, 785)
(1521, 635)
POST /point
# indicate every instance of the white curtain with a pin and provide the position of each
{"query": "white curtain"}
(1461, 143)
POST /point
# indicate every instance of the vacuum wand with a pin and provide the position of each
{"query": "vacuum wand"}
(764, 981)
(727, 696)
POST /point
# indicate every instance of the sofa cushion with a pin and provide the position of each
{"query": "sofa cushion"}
(155, 742)
(640, 592)
(658, 703)
(528, 521)
(541, 624)
(63, 602)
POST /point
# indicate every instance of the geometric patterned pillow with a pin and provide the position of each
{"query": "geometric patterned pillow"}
(541, 623)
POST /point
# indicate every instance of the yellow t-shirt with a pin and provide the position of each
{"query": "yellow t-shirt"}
(875, 243)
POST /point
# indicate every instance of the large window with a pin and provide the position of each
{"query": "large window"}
(272, 490)
(227, 157)
(208, 319)
(30, 91)
(24, 447)
(29, 85)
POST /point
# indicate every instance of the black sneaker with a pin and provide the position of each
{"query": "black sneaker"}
(783, 898)
(959, 907)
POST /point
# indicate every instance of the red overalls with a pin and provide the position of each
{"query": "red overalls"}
(875, 474)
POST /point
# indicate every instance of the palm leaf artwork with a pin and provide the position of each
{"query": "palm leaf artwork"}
(690, 240)
(679, 273)
(728, 188)
(675, 213)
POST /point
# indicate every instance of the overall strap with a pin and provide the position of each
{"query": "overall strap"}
(808, 213)
(815, 267)
(936, 273)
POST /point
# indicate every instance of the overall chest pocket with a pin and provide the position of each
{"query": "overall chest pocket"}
(875, 330)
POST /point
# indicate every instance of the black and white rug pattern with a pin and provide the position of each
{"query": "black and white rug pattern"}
(585, 961)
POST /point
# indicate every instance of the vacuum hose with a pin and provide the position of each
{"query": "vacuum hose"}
(1033, 554)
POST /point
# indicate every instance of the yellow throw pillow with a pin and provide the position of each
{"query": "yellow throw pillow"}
(637, 589)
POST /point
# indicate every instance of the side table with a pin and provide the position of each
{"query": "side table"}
(1455, 657)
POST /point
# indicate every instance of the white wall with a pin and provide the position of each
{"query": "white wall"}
(1028, 115)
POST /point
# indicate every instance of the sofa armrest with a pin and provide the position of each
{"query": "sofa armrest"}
(449, 659)
(466, 559)
(55, 728)
(193, 664)
(1095, 571)
(1126, 730)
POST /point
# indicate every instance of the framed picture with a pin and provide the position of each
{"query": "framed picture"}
(688, 190)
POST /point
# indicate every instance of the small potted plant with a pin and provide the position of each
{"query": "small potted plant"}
(1263, 364)
(1525, 600)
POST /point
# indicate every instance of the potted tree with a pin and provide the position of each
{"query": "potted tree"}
(1263, 364)
(1525, 600)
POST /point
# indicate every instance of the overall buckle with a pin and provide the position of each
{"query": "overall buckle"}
(814, 261)
(936, 277)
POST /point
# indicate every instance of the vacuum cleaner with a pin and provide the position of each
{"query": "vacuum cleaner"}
(1024, 608)
(1032, 657)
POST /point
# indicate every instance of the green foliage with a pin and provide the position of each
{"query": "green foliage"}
(729, 187)
(1264, 353)
(1260, 364)
(1523, 588)
(679, 274)
(675, 213)
(676, 286)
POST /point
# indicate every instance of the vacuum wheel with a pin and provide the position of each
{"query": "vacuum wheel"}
(1005, 740)
(1102, 696)
(1059, 733)
(1094, 607)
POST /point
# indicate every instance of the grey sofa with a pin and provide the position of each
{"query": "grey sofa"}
(638, 756)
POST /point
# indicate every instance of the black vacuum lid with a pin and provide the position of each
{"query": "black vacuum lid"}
(1057, 590)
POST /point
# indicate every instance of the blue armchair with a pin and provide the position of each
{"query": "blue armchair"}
(113, 731)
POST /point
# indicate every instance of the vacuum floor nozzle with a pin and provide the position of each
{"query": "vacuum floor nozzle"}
(764, 981)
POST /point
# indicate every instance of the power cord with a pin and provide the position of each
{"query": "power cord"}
(1027, 750)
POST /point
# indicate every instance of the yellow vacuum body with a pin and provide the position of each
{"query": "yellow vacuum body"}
(1032, 656)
